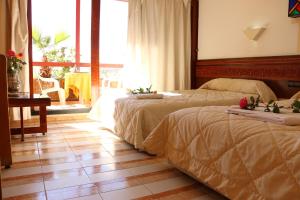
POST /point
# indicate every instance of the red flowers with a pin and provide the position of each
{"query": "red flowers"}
(243, 103)
(11, 53)
(15, 62)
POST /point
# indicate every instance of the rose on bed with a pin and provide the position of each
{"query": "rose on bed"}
(271, 106)
(244, 104)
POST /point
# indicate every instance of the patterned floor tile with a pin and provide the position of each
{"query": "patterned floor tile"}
(77, 160)
(128, 193)
(22, 189)
(66, 182)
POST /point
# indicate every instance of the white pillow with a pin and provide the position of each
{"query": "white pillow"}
(243, 86)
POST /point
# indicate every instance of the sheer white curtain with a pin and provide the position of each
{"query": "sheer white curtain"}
(158, 44)
(14, 35)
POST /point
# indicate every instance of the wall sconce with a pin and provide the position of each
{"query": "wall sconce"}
(253, 33)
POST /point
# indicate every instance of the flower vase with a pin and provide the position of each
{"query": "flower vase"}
(14, 83)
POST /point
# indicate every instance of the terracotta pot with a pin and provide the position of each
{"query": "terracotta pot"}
(46, 72)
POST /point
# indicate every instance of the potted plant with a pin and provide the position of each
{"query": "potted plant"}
(15, 64)
(52, 52)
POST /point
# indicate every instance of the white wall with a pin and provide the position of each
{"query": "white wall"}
(221, 25)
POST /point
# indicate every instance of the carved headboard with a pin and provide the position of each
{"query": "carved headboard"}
(281, 73)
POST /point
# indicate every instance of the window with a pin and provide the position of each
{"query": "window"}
(113, 40)
(61, 31)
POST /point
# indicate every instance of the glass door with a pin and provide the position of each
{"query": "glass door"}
(63, 42)
(113, 43)
(61, 52)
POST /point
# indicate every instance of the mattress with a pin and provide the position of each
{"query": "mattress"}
(240, 157)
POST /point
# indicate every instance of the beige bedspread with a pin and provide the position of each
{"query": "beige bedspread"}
(237, 156)
(136, 118)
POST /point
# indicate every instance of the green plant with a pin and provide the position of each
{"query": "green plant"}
(46, 43)
(53, 52)
(275, 107)
(296, 106)
(60, 73)
(142, 90)
(148, 90)
(268, 106)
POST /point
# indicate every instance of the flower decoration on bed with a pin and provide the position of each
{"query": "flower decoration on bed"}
(271, 106)
(249, 106)
(142, 91)
(274, 106)
(296, 106)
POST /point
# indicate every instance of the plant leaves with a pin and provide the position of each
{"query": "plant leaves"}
(252, 100)
(36, 35)
(270, 102)
(257, 100)
(59, 37)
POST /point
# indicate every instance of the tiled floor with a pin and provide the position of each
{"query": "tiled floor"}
(78, 160)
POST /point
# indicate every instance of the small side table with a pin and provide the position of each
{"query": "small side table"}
(24, 100)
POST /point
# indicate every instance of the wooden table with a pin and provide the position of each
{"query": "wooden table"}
(24, 100)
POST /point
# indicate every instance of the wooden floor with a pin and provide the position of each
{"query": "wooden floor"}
(79, 160)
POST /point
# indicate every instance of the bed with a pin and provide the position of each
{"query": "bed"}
(136, 118)
(133, 120)
(240, 157)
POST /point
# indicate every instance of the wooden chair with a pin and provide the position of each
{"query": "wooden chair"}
(5, 145)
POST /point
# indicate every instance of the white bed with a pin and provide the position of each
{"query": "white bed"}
(136, 118)
(240, 157)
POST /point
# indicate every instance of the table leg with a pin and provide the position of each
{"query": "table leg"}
(43, 119)
(22, 124)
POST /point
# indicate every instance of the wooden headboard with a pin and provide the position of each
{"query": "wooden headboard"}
(281, 73)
